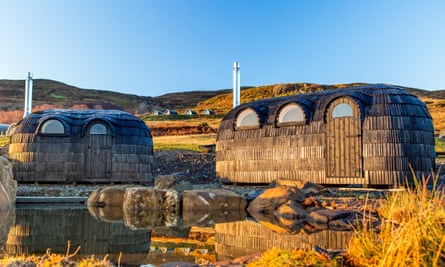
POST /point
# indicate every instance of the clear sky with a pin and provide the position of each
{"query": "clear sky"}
(153, 47)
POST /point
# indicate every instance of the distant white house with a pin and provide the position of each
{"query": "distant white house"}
(190, 112)
(207, 112)
(157, 112)
(170, 112)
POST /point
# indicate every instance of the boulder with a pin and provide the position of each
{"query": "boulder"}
(177, 181)
(109, 196)
(106, 213)
(324, 216)
(290, 212)
(149, 219)
(209, 206)
(8, 186)
(272, 198)
(146, 198)
(145, 207)
(212, 199)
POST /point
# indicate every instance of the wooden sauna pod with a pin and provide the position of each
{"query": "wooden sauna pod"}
(85, 146)
(367, 135)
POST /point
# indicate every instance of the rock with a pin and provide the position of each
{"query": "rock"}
(323, 216)
(146, 198)
(290, 212)
(273, 198)
(341, 225)
(209, 206)
(106, 213)
(313, 189)
(306, 187)
(177, 181)
(109, 196)
(8, 186)
(206, 218)
(310, 202)
(212, 199)
(145, 207)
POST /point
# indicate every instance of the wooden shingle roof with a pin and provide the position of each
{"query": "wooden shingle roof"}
(374, 100)
(75, 121)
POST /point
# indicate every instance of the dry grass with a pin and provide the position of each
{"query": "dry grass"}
(278, 258)
(54, 260)
(412, 231)
(436, 107)
(4, 140)
(183, 142)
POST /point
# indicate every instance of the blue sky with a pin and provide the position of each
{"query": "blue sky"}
(153, 47)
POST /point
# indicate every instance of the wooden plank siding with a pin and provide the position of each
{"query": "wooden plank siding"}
(236, 239)
(123, 154)
(36, 229)
(388, 132)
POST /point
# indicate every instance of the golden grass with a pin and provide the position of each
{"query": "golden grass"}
(55, 260)
(183, 142)
(411, 234)
(435, 107)
(278, 258)
(4, 140)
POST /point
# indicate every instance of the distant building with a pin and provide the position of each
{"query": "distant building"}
(190, 112)
(170, 112)
(208, 112)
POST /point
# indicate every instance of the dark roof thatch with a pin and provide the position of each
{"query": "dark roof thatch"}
(75, 121)
(374, 100)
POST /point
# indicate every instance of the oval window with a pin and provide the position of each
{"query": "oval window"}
(52, 126)
(342, 110)
(98, 128)
(247, 118)
(291, 113)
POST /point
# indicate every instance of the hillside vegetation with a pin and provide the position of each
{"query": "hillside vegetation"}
(53, 94)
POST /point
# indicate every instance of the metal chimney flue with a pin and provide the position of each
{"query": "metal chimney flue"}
(28, 95)
(236, 84)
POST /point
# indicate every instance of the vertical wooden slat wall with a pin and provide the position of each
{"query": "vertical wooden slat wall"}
(389, 131)
(236, 239)
(36, 230)
(124, 154)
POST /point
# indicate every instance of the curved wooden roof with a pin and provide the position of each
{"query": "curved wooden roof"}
(75, 121)
(373, 100)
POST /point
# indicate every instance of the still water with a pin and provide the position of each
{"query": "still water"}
(33, 228)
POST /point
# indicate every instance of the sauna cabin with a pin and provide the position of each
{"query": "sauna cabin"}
(85, 146)
(368, 135)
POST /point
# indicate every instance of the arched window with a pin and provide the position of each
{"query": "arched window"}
(52, 126)
(247, 118)
(342, 110)
(98, 128)
(291, 114)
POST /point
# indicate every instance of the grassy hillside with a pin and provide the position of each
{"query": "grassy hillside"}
(48, 94)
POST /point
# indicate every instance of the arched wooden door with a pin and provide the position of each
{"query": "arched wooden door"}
(98, 152)
(344, 139)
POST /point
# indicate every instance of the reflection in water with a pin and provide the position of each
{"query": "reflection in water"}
(246, 237)
(38, 228)
(31, 229)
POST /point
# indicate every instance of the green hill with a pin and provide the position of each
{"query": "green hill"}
(54, 94)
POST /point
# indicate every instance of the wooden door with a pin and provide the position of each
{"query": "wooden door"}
(344, 140)
(98, 154)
